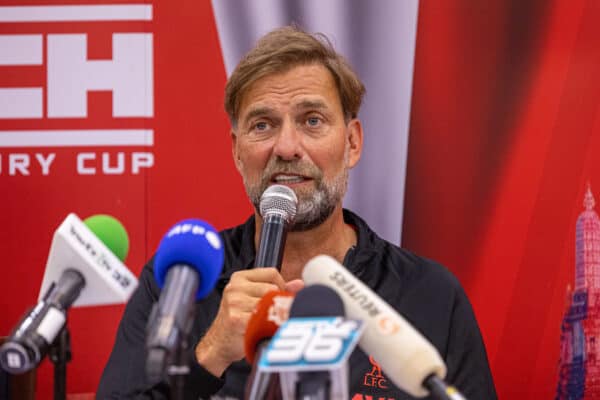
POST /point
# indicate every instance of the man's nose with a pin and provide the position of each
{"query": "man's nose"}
(288, 143)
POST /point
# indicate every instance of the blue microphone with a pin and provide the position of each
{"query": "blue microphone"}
(187, 265)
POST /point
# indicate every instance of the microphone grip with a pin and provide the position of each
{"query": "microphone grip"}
(156, 362)
(180, 292)
(67, 290)
(272, 241)
(440, 390)
(171, 319)
(313, 385)
(258, 382)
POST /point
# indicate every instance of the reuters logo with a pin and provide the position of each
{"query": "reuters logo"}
(387, 326)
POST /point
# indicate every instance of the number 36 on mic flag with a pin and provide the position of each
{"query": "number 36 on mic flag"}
(311, 343)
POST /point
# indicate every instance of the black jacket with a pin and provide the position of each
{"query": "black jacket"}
(424, 292)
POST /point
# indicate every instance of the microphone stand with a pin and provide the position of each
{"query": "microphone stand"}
(179, 370)
(60, 354)
(440, 390)
(168, 334)
(313, 385)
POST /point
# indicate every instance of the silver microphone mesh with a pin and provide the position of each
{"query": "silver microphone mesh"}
(279, 199)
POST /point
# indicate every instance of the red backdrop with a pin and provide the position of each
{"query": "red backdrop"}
(193, 173)
(503, 130)
(504, 137)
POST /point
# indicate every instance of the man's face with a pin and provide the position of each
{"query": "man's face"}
(291, 131)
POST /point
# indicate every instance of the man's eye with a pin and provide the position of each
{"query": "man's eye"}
(261, 126)
(313, 121)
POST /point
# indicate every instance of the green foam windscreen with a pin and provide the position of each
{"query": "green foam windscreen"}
(111, 232)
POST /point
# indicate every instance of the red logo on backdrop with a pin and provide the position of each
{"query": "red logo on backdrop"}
(76, 76)
(375, 377)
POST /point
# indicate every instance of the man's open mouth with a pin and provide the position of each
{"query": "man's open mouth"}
(288, 179)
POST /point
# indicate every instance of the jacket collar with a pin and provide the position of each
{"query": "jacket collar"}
(356, 260)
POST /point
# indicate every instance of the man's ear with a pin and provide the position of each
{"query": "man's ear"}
(234, 150)
(355, 141)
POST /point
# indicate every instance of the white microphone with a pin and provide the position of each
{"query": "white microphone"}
(75, 245)
(411, 362)
(81, 271)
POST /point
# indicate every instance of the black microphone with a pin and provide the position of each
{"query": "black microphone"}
(187, 265)
(310, 350)
(36, 332)
(81, 270)
(315, 301)
(278, 209)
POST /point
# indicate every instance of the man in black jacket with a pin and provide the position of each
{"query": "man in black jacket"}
(293, 104)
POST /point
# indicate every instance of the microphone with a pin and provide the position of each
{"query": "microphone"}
(271, 311)
(82, 270)
(278, 209)
(187, 265)
(318, 301)
(411, 362)
(307, 348)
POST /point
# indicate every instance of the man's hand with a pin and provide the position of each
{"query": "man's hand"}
(224, 341)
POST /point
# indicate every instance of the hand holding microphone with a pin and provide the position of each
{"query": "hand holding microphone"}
(224, 340)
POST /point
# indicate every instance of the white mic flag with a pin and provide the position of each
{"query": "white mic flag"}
(107, 279)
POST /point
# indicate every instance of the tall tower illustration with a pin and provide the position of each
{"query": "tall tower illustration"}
(579, 364)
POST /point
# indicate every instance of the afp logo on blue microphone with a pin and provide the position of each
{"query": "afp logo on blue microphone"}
(191, 228)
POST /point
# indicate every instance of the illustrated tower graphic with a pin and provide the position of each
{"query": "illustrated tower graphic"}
(579, 364)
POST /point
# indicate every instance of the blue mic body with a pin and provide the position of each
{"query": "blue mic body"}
(187, 264)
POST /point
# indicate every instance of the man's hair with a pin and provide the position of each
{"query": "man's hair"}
(281, 50)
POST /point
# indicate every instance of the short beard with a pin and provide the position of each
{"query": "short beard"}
(314, 207)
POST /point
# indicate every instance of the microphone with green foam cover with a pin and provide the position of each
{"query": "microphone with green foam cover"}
(84, 268)
(95, 248)
(111, 232)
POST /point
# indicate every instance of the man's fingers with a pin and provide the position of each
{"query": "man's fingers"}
(270, 275)
(294, 286)
(249, 288)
